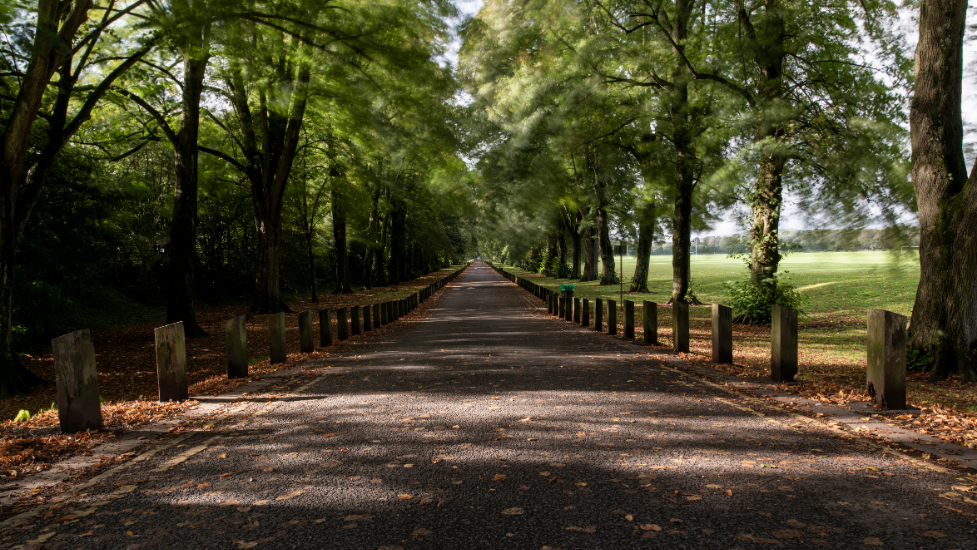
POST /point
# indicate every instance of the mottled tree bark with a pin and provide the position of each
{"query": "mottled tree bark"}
(561, 244)
(646, 234)
(607, 275)
(551, 252)
(577, 243)
(944, 317)
(339, 235)
(591, 254)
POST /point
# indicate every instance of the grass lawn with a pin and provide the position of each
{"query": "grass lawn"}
(840, 287)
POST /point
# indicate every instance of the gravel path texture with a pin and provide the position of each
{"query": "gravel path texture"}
(479, 422)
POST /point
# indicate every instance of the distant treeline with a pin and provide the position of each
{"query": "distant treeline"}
(809, 240)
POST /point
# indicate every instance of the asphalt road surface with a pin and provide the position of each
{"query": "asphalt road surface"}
(479, 422)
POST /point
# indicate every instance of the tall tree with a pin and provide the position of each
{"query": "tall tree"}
(61, 44)
(944, 317)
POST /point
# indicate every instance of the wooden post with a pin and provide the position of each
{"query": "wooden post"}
(576, 310)
(599, 315)
(611, 317)
(342, 323)
(171, 362)
(561, 313)
(722, 334)
(354, 316)
(886, 368)
(376, 315)
(651, 322)
(585, 314)
(383, 318)
(680, 326)
(306, 339)
(783, 344)
(76, 379)
(325, 328)
(276, 337)
(237, 347)
(628, 320)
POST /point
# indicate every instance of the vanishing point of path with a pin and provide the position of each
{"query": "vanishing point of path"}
(482, 423)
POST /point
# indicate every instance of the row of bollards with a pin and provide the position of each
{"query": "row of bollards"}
(79, 407)
(886, 350)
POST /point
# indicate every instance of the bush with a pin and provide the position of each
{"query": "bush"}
(752, 300)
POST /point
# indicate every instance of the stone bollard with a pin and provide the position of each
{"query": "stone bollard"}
(886, 369)
(722, 334)
(576, 310)
(306, 339)
(376, 316)
(276, 337)
(342, 323)
(354, 317)
(171, 362)
(599, 315)
(585, 314)
(237, 347)
(628, 320)
(783, 344)
(325, 328)
(680, 326)
(650, 312)
(77, 382)
(611, 317)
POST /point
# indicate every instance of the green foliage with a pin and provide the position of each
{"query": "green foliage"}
(922, 359)
(752, 300)
(23, 416)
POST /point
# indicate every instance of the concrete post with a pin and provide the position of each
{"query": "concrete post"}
(585, 314)
(783, 344)
(276, 337)
(237, 347)
(306, 339)
(599, 315)
(680, 326)
(611, 317)
(650, 312)
(325, 328)
(342, 323)
(722, 334)
(171, 362)
(628, 320)
(886, 368)
(76, 379)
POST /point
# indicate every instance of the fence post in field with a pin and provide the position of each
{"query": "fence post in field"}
(722, 334)
(650, 311)
(783, 344)
(76, 379)
(171, 362)
(306, 339)
(325, 328)
(680, 326)
(237, 347)
(886, 369)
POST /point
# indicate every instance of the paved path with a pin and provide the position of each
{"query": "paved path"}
(482, 423)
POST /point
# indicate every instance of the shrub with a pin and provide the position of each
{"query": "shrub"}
(752, 300)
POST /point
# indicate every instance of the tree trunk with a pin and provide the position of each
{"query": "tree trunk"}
(339, 234)
(944, 317)
(550, 257)
(577, 241)
(591, 254)
(398, 243)
(561, 244)
(646, 234)
(372, 234)
(383, 279)
(607, 276)
(309, 242)
(183, 228)
(268, 298)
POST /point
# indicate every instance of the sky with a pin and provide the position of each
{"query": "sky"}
(791, 217)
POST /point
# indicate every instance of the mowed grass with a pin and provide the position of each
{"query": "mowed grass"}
(839, 287)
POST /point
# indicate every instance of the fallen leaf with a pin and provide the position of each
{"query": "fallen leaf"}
(651, 527)
(498, 477)
(293, 494)
(872, 541)
(930, 534)
(405, 497)
(328, 435)
(420, 532)
(788, 534)
(514, 511)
